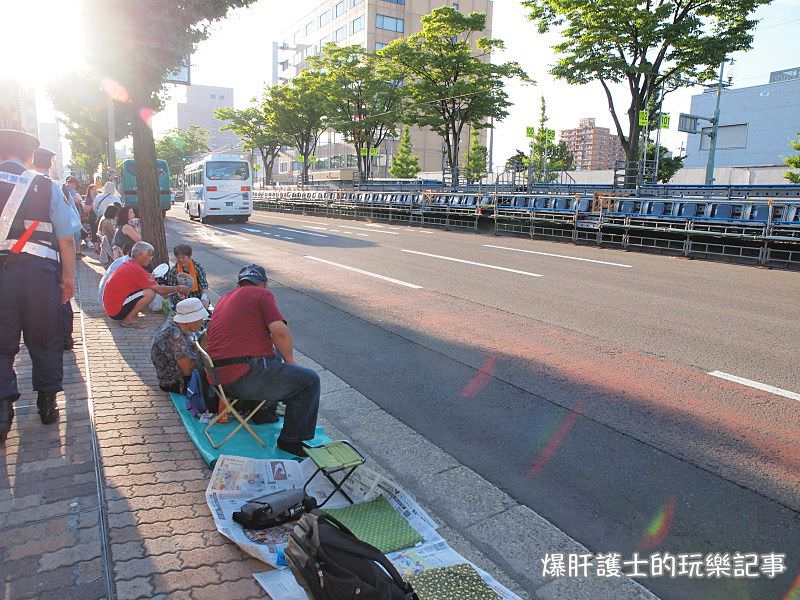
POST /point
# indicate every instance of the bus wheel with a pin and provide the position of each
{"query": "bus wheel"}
(205, 220)
(242, 219)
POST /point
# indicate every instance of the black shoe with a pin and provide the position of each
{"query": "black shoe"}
(296, 448)
(48, 411)
(69, 345)
(6, 418)
(264, 416)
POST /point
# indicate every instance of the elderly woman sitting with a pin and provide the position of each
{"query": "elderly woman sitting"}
(186, 265)
(172, 352)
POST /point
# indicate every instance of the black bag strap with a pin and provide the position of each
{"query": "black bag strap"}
(370, 552)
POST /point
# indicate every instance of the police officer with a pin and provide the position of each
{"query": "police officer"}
(36, 241)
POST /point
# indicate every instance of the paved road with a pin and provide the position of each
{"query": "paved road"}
(574, 378)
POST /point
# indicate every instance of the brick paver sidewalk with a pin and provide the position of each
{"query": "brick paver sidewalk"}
(122, 514)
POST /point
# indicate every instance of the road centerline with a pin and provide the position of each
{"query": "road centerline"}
(599, 262)
(322, 235)
(477, 264)
(756, 385)
(368, 273)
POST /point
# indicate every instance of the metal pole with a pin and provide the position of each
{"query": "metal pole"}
(491, 146)
(112, 158)
(658, 133)
(712, 148)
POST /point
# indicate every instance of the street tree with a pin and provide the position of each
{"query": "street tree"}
(405, 164)
(365, 103)
(179, 147)
(257, 128)
(449, 80)
(643, 44)
(668, 164)
(475, 168)
(518, 162)
(300, 110)
(793, 162)
(549, 158)
(134, 45)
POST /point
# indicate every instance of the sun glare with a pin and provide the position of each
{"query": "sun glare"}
(41, 39)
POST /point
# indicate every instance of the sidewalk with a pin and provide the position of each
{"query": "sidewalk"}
(111, 503)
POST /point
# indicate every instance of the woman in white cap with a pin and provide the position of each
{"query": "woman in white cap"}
(172, 352)
(106, 198)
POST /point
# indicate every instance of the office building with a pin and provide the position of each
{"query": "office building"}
(198, 110)
(757, 123)
(593, 148)
(372, 24)
(17, 106)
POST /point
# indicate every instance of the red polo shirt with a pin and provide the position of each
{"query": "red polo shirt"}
(239, 328)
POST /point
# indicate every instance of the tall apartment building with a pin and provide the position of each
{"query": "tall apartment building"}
(594, 148)
(372, 24)
(201, 100)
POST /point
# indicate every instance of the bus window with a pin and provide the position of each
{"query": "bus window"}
(225, 169)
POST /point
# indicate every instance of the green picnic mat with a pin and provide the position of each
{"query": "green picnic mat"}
(458, 582)
(377, 523)
(241, 444)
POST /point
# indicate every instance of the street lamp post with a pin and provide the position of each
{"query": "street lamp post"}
(712, 147)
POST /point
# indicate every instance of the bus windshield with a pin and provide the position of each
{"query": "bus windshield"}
(226, 169)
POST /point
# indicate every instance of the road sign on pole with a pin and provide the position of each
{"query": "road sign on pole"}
(644, 118)
(688, 123)
(665, 121)
(362, 151)
(301, 159)
(530, 132)
(374, 152)
(551, 134)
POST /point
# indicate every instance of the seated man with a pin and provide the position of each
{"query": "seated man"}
(173, 353)
(130, 287)
(186, 264)
(246, 326)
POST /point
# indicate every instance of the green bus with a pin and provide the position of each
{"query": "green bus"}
(127, 184)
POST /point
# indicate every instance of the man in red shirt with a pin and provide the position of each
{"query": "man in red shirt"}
(243, 334)
(130, 288)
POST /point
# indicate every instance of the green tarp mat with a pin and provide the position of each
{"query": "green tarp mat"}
(377, 523)
(241, 444)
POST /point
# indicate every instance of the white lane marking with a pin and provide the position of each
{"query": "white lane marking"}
(320, 228)
(756, 384)
(286, 237)
(374, 225)
(294, 220)
(599, 262)
(370, 230)
(477, 264)
(335, 231)
(252, 230)
(383, 277)
(363, 234)
(303, 232)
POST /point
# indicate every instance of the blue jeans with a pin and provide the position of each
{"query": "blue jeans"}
(275, 381)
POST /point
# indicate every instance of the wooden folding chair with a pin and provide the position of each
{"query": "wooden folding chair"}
(226, 405)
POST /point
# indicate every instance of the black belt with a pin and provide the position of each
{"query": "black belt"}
(237, 360)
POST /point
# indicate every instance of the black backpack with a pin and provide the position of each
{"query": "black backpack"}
(330, 563)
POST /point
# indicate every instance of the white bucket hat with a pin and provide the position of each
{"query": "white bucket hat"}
(189, 311)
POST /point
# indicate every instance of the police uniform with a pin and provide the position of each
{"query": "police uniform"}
(34, 215)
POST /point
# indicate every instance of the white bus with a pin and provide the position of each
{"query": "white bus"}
(219, 185)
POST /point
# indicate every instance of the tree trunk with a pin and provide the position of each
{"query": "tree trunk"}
(144, 149)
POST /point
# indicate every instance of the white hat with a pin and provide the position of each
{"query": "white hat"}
(189, 311)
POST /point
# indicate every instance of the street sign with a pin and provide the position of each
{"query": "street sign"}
(182, 75)
(688, 123)
(530, 132)
(312, 159)
(551, 134)
(644, 118)
(665, 121)
(363, 151)
(374, 152)
(301, 159)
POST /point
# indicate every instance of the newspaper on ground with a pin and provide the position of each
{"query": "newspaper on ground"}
(237, 479)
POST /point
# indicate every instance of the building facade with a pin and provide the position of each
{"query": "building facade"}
(593, 148)
(17, 106)
(201, 100)
(372, 24)
(757, 123)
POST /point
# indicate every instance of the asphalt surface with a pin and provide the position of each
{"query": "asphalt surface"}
(579, 387)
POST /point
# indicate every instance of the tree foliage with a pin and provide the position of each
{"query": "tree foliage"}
(365, 103)
(449, 80)
(549, 158)
(257, 128)
(644, 45)
(405, 164)
(518, 162)
(668, 165)
(475, 167)
(179, 147)
(793, 162)
(133, 46)
(301, 113)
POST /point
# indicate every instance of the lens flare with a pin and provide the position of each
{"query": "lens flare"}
(115, 90)
(794, 591)
(548, 442)
(146, 115)
(659, 527)
(480, 380)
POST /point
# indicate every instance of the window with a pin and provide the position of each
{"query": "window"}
(324, 18)
(389, 23)
(379, 45)
(227, 169)
(728, 137)
(283, 167)
(355, 2)
(309, 27)
(398, 2)
(340, 34)
(339, 9)
(324, 41)
(357, 25)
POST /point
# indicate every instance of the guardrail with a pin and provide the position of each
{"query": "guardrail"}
(764, 232)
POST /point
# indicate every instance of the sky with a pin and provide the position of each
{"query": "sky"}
(238, 55)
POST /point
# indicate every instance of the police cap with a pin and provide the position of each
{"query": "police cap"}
(43, 158)
(17, 144)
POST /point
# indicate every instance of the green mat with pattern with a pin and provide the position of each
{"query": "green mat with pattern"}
(377, 523)
(459, 582)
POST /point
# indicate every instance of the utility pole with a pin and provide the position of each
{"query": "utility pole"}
(712, 147)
